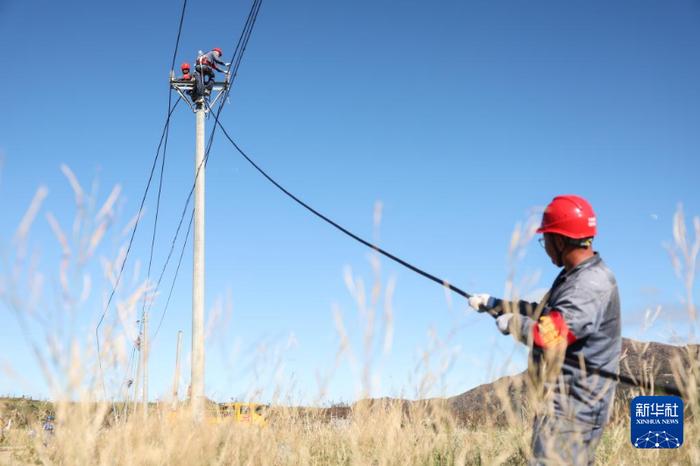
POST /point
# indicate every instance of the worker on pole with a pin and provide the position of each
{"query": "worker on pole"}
(205, 66)
(186, 74)
(573, 333)
(197, 90)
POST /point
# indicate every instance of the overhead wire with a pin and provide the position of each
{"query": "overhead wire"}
(143, 199)
(131, 242)
(144, 311)
(339, 227)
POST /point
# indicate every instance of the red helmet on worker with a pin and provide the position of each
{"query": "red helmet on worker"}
(570, 216)
(185, 66)
(218, 50)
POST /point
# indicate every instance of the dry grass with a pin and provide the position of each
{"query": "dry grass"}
(374, 437)
(379, 433)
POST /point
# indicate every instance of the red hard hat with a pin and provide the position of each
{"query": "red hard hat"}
(570, 216)
(185, 66)
(217, 49)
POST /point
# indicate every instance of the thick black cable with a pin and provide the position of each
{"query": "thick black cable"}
(341, 228)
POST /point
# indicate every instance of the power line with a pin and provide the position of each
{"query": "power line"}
(339, 227)
(143, 198)
(245, 37)
(177, 270)
(131, 241)
(160, 187)
(179, 32)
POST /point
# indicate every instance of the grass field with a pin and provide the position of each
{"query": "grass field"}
(372, 436)
(384, 433)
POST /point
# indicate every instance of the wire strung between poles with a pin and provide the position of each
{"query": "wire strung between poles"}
(167, 125)
(138, 217)
(236, 60)
(352, 235)
(177, 271)
(128, 249)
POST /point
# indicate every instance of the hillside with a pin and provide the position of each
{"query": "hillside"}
(645, 361)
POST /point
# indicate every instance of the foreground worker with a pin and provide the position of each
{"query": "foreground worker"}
(205, 66)
(573, 333)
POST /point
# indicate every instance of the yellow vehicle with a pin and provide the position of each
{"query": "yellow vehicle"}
(251, 413)
(245, 413)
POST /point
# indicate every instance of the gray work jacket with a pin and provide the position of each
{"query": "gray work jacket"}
(587, 297)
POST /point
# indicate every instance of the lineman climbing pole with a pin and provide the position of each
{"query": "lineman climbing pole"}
(197, 96)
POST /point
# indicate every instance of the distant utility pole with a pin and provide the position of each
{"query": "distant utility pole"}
(176, 376)
(197, 95)
(144, 363)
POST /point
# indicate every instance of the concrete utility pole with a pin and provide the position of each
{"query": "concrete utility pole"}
(176, 377)
(198, 102)
(144, 363)
(139, 371)
(198, 268)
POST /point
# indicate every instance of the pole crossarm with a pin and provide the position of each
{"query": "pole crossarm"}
(185, 89)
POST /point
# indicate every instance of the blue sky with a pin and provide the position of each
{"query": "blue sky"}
(459, 117)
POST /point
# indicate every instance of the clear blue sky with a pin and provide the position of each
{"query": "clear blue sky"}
(460, 117)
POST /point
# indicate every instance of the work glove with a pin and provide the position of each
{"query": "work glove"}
(228, 65)
(503, 323)
(479, 302)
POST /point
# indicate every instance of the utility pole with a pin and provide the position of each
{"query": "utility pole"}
(198, 267)
(144, 363)
(176, 377)
(198, 102)
(139, 370)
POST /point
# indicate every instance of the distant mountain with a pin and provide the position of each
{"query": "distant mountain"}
(649, 363)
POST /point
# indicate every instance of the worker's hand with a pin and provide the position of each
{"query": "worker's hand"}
(479, 302)
(228, 65)
(503, 323)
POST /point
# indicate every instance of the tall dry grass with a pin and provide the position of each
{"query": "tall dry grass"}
(90, 430)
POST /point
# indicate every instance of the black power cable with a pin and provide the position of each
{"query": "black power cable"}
(341, 228)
